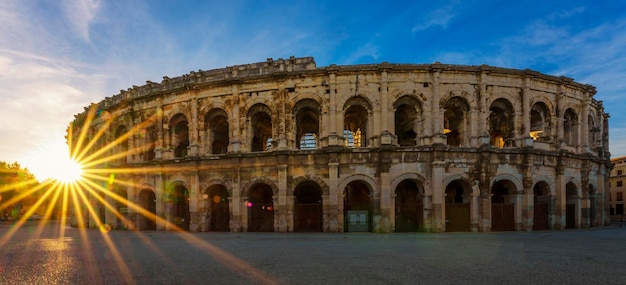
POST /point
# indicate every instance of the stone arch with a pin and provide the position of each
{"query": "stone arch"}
(217, 131)
(593, 130)
(409, 205)
(548, 181)
(457, 201)
(260, 204)
(214, 208)
(542, 205)
(217, 181)
(456, 121)
(371, 183)
(504, 191)
(519, 186)
(297, 180)
(426, 188)
(146, 199)
(245, 190)
(571, 121)
(308, 207)
(572, 203)
(260, 127)
(501, 123)
(408, 114)
(179, 135)
(307, 115)
(177, 205)
(356, 121)
(121, 143)
(540, 121)
(469, 99)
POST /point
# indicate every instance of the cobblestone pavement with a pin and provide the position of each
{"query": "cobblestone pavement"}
(54, 255)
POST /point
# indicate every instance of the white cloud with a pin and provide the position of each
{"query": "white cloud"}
(81, 13)
(437, 18)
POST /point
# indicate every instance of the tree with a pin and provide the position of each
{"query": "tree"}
(15, 180)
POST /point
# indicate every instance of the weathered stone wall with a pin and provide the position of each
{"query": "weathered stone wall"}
(428, 130)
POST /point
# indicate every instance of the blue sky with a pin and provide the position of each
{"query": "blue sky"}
(57, 57)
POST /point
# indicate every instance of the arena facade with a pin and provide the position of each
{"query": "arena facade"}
(286, 146)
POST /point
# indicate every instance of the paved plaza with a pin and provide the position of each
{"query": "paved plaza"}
(54, 255)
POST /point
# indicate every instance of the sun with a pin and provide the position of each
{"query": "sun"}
(52, 161)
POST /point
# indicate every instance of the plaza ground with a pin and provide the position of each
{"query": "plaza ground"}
(53, 255)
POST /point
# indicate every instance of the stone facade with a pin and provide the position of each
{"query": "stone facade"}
(286, 146)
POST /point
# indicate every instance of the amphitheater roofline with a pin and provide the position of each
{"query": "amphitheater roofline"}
(294, 66)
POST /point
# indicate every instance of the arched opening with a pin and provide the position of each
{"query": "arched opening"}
(122, 208)
(407, 116)
(122, 145)
(502, 206)
(409, 207)
(216, 209)
(539, 122)
(541, 208)
(261, 128)
(260, 209)
(308, 207)
(455, 120)
(217, 133)
(355, 120)
(592, 132)
(149, 136)
(570, 127)
(147, 200)
(501, 123)
(178, 203)
(458, 206)
(307, 115)
(571, 196)
(357, 207)
(179, 134)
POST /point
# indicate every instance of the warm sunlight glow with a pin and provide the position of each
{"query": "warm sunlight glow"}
(53, 161)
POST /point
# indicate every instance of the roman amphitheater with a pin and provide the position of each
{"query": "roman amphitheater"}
(286, 146)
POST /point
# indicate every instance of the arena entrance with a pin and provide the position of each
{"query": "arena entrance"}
(357, 207)
(308, 207)
(216, 204)
(542, 201)
(409, 207)
(147, 200)
(502, 211)
(179, 203)
(260, 209)
(571, 194)
(457, 207)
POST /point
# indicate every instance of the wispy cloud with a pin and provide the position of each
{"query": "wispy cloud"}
(81, 13)
(437, 18)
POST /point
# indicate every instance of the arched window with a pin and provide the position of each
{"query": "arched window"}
(570, 127)
(355, 121)
(407, 116)
(179, 134)
(501, 123)
(122, 144)
(307, 115)
(260, 127)
(539, 122)
(217, 133)
(455, 121)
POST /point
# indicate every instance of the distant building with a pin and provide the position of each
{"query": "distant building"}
(618, 189)
(286, 146)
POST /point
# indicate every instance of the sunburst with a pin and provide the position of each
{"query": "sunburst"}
(86, 181)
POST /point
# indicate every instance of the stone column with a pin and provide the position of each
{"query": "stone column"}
(193, 128)
(281, 196)
(335, 212)
(584, 127)
(235, 128)
(526, 108)
(437, 117)
(160, 209)
(193, 203)
(438, 201)
(333, 136)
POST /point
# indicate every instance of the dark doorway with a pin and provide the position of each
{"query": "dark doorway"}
(219, 220)
(457, 208)
(409, 209)
(147, 200)
(571, 193)
(179, 203)
(357, 208)
(260, 209)
(541, 212)
(502, 212)
(308, 208)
